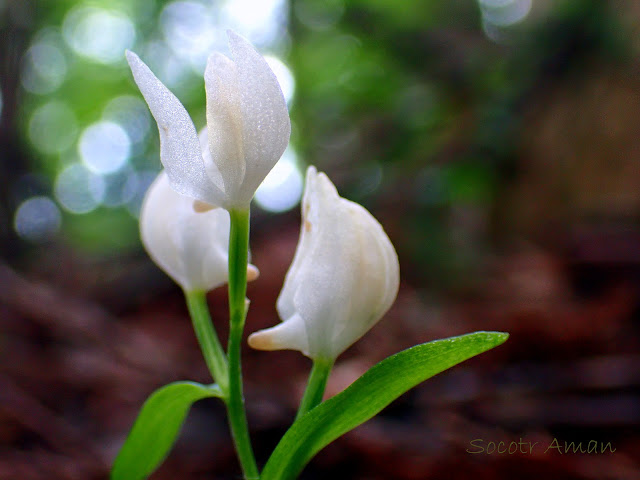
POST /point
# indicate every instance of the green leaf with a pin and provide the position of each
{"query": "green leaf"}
(157, 427)
(368, 395)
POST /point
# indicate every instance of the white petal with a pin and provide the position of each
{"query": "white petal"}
(204, 245)
(345, 272)
(372, 297)
(179, 146)
(285, 306)
(224, 123)
(209, 164)
(192, 248)
(329, 268)
(156, 235)
(265, 119)
(290, 334)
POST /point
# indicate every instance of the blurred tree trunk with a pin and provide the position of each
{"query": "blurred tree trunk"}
(16, 22)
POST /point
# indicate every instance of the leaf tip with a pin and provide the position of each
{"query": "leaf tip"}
(496, 338)
(501, 337)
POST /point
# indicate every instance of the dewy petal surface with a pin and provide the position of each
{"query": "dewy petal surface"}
(224, 122)
(243, 94)
(343, 278)
(248, 127)
(179, 146)
(192, 248)
(210, 166)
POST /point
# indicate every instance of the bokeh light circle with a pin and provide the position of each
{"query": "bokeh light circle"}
(37, 219)
(99, 34)
(281, 190)
(52, 127)
(44, 68)
(284, 76)
(104, 147)
(78, 189)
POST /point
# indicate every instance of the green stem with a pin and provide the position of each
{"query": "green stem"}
(207, 338)
(315, 387)
(238, 258)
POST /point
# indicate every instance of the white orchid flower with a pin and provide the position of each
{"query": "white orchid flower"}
(343, 278)
(248, 127)
(192, 248)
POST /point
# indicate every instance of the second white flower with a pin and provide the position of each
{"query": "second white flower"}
(343, 278)
(192, 248)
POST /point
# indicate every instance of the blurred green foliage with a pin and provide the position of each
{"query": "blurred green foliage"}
(415, 108)
(420, 90)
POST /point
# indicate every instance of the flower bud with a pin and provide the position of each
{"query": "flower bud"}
(192, 248)
(247, 121)
(343, 278)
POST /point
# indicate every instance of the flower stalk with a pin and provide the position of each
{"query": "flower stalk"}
(316, 385)
(238, 304)
(208, 339)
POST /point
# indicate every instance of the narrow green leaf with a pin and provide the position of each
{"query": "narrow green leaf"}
(157, 427)
(368, 395)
